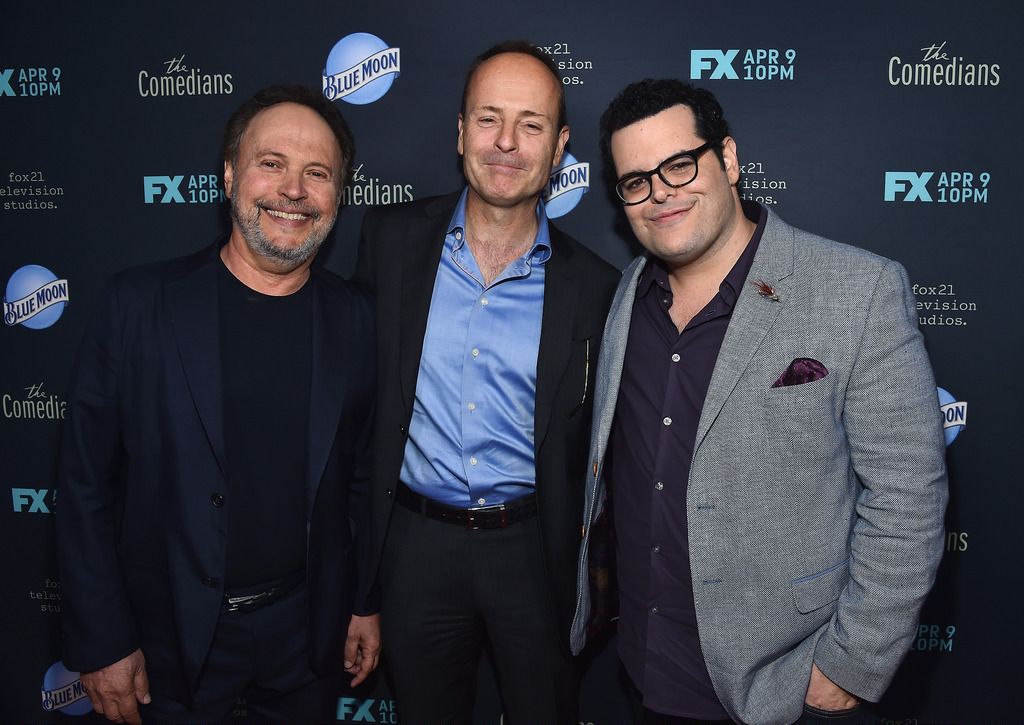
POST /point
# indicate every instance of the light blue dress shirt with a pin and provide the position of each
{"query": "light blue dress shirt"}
(471, 435)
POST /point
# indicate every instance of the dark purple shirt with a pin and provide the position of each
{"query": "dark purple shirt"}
(665, 378)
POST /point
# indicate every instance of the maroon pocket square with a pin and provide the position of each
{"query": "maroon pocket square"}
(800, 371)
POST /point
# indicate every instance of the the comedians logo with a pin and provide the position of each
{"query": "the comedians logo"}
(371, 191)
(954, 415)
(34, 81)
(176, 78)
(360, 69)
(755, 64)
(566, 186)
(941, 67)
(199, 189)
(354, 709)
(35, 403)
(943, 187)
(35, 298)
(62, 690)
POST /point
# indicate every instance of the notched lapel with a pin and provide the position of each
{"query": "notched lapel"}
(326, 385)
(753, 317)
(561, 296)
(195, 321)
(418, 271)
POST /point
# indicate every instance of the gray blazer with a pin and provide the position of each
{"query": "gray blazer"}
(815, 511)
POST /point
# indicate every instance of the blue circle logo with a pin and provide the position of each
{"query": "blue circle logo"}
(35, 298)
(954, 415)
(566, 186)
(62, 690)
(360, 69)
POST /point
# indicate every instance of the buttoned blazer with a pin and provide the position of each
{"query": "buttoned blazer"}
(814, 511)
(141, 530)
(400, 250)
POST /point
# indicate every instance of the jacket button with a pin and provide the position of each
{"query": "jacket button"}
(217, 500)
(209, 581)
(387, 491)
(401, 429)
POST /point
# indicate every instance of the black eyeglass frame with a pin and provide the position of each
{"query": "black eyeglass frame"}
(649, 175)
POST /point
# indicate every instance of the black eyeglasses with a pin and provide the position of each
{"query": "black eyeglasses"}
(675, 171)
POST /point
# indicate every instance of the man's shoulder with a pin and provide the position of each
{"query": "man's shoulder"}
(426, 207)
(580, 254)
(339, 288)
(821, 255)
(153, 275)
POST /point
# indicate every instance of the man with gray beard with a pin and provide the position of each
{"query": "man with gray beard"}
(211, 533)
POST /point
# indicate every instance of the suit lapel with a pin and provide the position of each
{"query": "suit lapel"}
(195, 323)
(561, 295)
(418, 271)
(753, 316)
(326, 383)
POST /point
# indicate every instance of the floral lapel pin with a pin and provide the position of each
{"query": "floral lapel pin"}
(766, 290)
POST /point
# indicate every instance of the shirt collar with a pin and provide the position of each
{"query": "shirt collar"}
(539, 252)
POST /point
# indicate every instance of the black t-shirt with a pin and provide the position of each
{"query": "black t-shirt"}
(265, 367)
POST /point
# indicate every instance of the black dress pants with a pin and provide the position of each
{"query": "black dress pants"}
(260, 656)
(445, 589)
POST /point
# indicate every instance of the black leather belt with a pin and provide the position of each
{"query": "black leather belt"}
(483, 517)
(249, 598)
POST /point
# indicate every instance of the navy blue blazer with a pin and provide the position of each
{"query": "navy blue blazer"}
(140, 543)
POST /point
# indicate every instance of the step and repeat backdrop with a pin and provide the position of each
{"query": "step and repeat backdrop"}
(894, 127)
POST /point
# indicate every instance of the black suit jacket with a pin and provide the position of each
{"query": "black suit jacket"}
(141, 543)
(399, 254)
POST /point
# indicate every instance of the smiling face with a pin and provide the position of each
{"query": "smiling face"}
(690, 223)
(509, 137)
(284, 187)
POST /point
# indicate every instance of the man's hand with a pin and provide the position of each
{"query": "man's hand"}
(362, 647)
(824, 694)
(116, 690)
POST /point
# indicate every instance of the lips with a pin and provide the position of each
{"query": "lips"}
(667, 216)
(293, 214)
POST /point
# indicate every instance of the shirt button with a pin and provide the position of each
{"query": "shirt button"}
(481, 501)
(666, 420)
(675, 357)
(471, 406)
(658, 485)
(472, 460)
(656, 549)
(458, 235)
(475, 352)
(485, 301)
(654, 610)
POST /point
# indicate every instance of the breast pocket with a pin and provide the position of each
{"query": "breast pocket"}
(818, 590)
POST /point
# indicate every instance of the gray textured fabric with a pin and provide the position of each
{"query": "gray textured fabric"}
(815, 511)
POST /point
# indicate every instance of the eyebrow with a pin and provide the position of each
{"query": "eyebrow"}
(496, 109)
(649, 171)
(282, 155)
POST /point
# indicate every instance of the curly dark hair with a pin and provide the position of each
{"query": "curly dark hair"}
(649, 97)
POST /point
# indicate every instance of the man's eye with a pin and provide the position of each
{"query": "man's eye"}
(634, 184)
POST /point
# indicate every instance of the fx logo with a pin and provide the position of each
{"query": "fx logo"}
(34, 498)
(359, 710)
(5, 82)
(152, 185)
(701, 60)
(909, 182)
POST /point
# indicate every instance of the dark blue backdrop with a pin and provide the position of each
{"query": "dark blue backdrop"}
(892, 127)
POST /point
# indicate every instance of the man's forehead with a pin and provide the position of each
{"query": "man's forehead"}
(513, 81)
(650, 140)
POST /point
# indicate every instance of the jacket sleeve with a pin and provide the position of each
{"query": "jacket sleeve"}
(97, 622)
(897, 451)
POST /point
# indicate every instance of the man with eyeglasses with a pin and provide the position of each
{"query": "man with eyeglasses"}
(767, 439)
